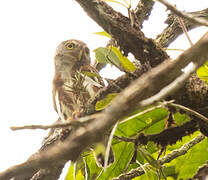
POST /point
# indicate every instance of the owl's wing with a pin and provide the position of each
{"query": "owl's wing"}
(62, 99)
(57, 106)
(56, 84)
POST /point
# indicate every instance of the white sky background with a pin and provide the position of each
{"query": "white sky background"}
(30, 30)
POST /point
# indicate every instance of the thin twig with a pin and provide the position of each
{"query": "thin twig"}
(81, 121)
(45, 127)
(163, 104)
(76, 123)
(191, 111)
(180, 20)
(196, 20)
(107, 152)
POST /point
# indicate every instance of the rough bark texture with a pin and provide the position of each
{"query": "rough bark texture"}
(143, 10)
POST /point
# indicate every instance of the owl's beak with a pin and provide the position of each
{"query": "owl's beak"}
(80, 55)
(84, 55)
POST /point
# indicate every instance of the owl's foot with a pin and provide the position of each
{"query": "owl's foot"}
(69, 119)
(64, 133)
(76, 115)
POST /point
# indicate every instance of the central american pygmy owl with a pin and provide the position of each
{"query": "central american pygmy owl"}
(71, 86)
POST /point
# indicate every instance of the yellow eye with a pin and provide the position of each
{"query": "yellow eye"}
(69, 46)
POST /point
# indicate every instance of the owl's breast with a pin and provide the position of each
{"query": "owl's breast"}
(73, 93)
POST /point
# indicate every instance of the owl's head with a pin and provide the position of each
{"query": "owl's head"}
(71, 54)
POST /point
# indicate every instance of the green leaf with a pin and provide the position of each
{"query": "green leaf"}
(169, 171)
(123, 152)
(128, 65)
(90, 74)
(107, 56)
(100, 105)
(103, 33)
(150, 122)
(92, 170)
(113, 56)
(149, 158)
(151, 147)
(149, 175)
(73, 175)
(180, 118)
(188, 165)
(100, 55)
(202, 72)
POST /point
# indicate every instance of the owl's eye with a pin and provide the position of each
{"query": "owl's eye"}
(69, 46)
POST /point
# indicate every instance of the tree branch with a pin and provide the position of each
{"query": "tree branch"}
(83, 120)
(173, 30)
(73, 123)
(195, 20)
(143, 10)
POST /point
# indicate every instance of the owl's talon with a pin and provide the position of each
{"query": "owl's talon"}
(69, 119)
(64, 133)
(76, 115)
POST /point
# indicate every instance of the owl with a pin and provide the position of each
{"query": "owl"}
(75, 80)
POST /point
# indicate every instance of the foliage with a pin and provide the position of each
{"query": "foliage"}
(100, 105)
(151, 122)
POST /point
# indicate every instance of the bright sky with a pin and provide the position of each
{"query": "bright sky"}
(29, 33)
